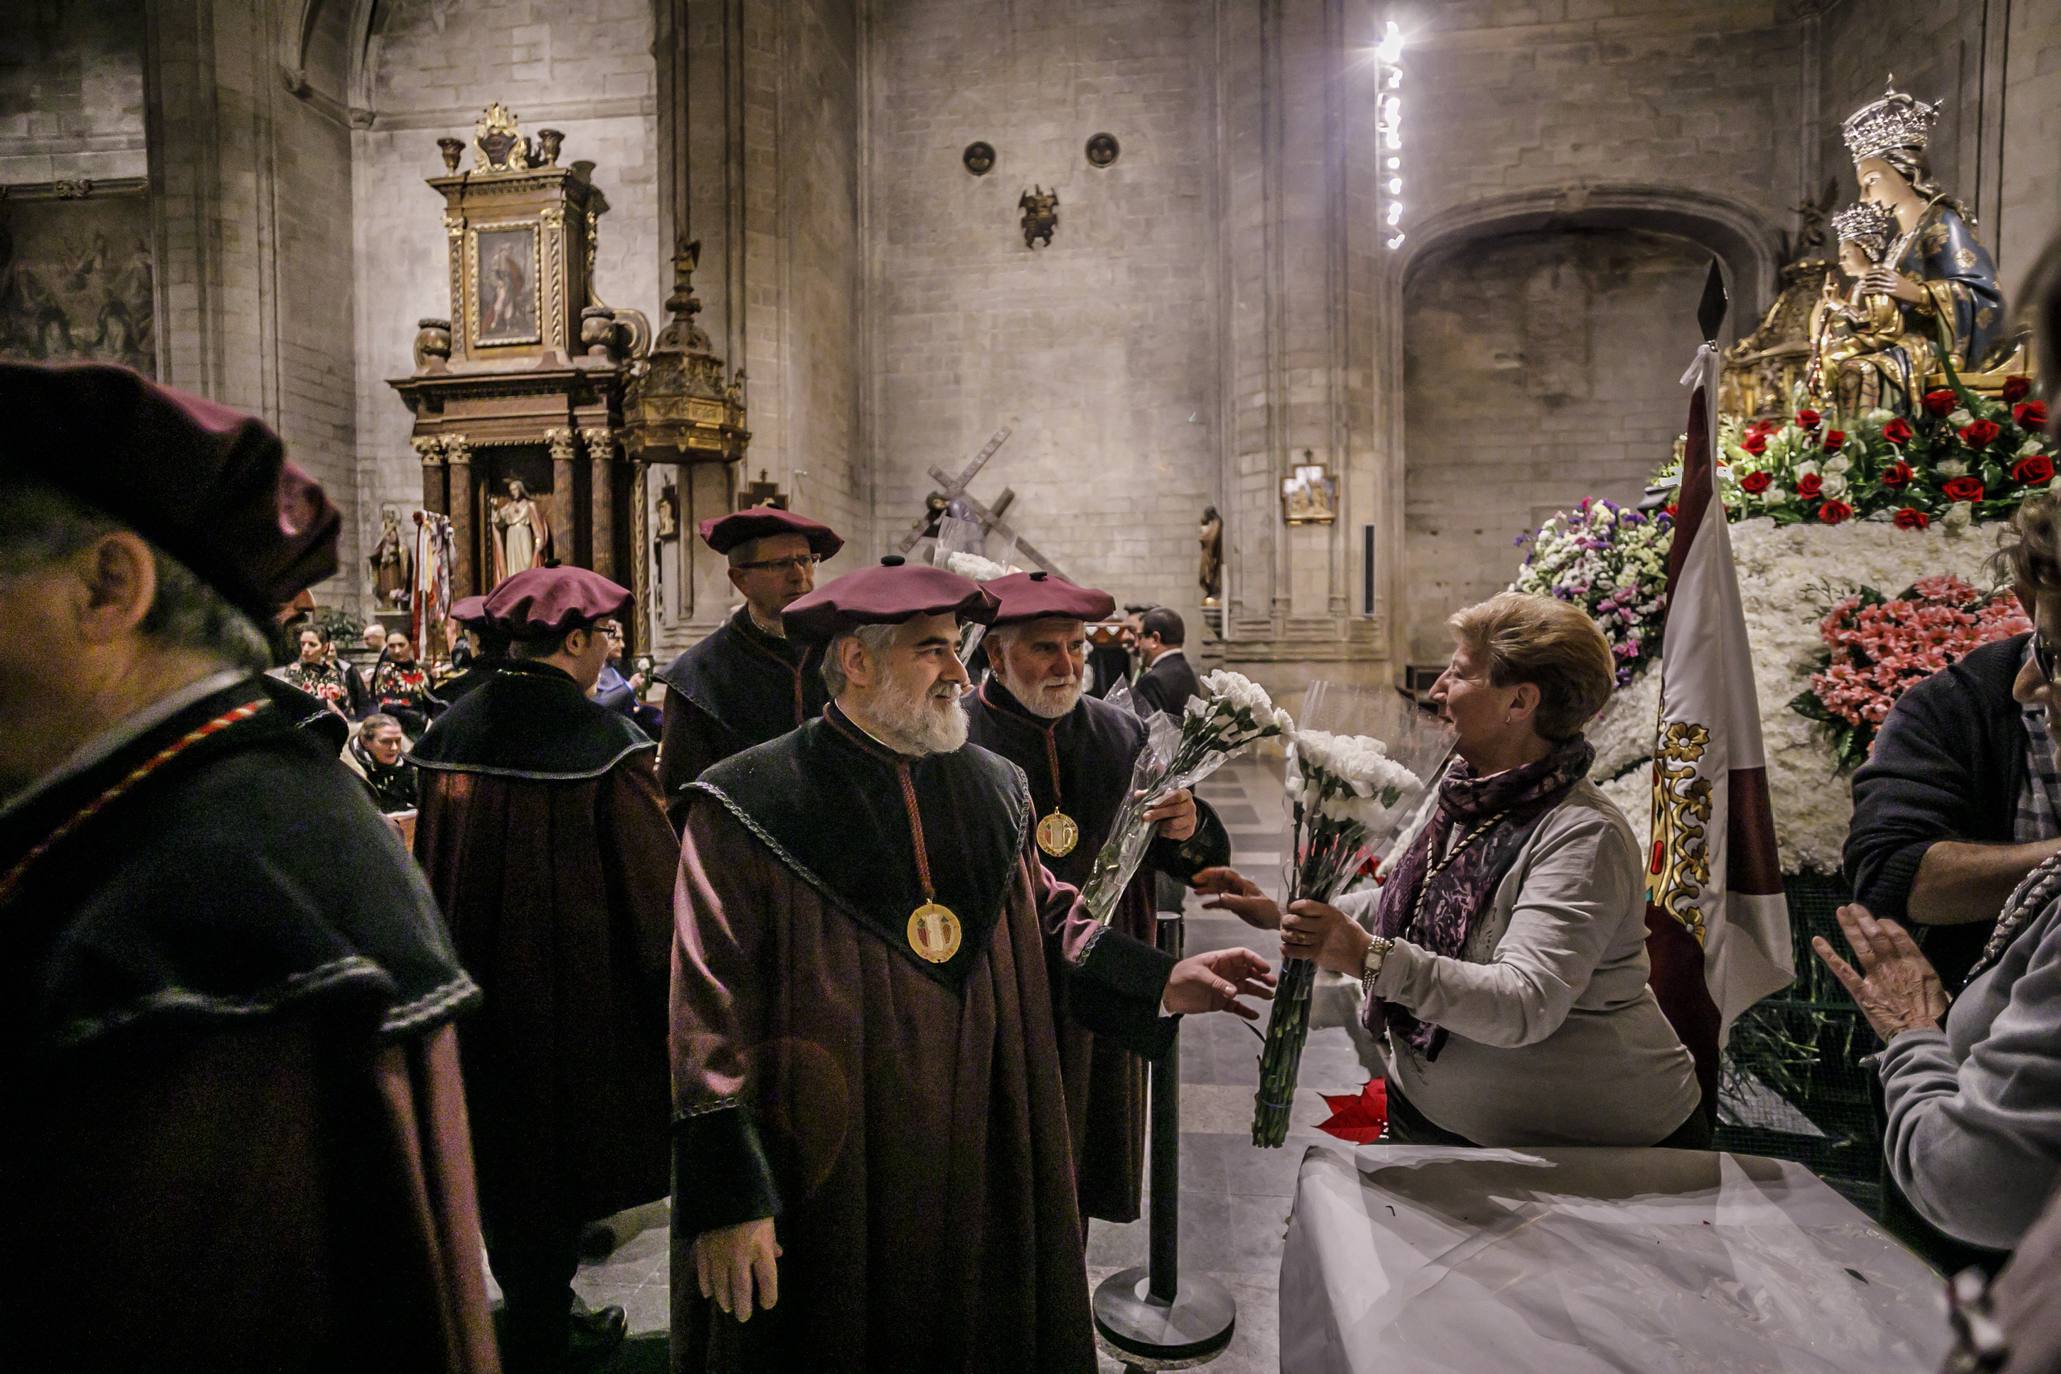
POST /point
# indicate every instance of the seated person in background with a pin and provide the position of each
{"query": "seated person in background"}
(1974, 1138)
(375, 755)
(400, 687)
(1959, 800)
(317, 673)
(1507, 960)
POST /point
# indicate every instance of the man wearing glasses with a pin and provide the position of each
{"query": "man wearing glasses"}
(746, 683)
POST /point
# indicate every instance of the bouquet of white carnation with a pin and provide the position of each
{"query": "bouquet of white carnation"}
(1234, 714)
(1348, 795)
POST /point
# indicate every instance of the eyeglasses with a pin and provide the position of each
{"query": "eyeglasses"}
(2045, 654)
(800, 562)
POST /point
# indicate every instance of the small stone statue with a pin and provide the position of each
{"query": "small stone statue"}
(522, 533)
(1210, 534)
(392, 562)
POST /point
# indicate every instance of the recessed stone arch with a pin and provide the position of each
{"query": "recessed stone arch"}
(1543, 335)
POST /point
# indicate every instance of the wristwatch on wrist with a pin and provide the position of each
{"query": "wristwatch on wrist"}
(1370, 967)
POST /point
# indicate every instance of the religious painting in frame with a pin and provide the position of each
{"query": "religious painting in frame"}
(78, 274)
(1309, 495)
(505, 270)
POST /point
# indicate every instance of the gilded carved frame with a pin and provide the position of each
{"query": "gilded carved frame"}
(540, 285)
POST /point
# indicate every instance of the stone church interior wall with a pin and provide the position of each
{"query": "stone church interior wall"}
(1542, 368)
(71, 91)
(1100, 350)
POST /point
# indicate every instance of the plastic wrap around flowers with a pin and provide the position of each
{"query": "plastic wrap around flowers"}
(1347, 798)
(1233, 714)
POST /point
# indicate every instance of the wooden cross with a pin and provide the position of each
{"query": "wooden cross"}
(955, 488)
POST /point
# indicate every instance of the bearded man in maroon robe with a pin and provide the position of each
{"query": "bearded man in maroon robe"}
(871, 1150)
(235, 1134)
(545, 841)
(746, 682)
(1077, 753)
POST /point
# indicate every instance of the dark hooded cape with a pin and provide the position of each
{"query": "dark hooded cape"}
(906, 1129)
(226, 1023)
(738, 687)
(1095, 745)
(544, 840)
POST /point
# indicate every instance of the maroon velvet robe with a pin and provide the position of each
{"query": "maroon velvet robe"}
(1094, 747)
(547, 846)
(909, 1135)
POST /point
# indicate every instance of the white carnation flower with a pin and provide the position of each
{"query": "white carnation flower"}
(1838, 466)
(1834, 487)
(974, 566)
(1960, 417)
(1951, 467)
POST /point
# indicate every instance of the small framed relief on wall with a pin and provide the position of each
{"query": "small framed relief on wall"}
(504, 286)
(78, 276)
(1309, 495)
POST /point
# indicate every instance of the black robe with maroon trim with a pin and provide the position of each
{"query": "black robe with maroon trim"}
(903, 1121)
(1096, 745)
(738, 687)
(225, 1026)
(546, 844)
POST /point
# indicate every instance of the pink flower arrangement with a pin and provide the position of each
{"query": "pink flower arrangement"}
(1877, 646)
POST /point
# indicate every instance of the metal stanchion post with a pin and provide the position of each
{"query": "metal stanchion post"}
(1147, 1316)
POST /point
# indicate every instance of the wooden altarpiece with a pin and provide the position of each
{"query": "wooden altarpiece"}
(526, 380)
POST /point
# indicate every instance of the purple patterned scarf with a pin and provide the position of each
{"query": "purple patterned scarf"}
(1511, 804)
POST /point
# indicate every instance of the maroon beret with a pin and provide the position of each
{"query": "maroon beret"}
(209, 485)
(1028, 596)
(471, 612)
(537, 603)
(888, 594)
(725, 532)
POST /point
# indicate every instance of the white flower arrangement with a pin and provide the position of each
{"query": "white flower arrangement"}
(1788, 576)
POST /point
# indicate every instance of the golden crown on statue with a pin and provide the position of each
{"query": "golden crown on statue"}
(1866, 223)
(1897, 120)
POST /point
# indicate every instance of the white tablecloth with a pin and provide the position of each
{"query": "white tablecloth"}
(1431, 1260)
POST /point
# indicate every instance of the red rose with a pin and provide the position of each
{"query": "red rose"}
(2030, 414)
(1674, 511)
(1832, 512)
(1980, 433)
(1897, 431)
(1897, 475)
(2016, 389)
(1755, 444)
(1962, 489)
(1807, 419)
(1835, 440)
(1754, 483)
(1941, 401)
(1910, 519)
(1809, 486)
(2035, 471)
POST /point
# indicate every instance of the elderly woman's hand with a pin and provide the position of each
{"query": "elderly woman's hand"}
(1312, 930)
(1896, 987)
(1239, 895)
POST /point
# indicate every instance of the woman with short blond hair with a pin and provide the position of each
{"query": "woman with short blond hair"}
(1507, 953)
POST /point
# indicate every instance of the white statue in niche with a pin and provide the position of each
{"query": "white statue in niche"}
(521, 533)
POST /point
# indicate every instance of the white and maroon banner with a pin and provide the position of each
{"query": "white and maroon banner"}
(1717, 923)
(430, 597)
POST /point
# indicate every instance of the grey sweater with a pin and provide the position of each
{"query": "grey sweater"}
(1975, 1109)
(1553, 1037)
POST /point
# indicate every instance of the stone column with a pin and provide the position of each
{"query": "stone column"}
(601, 455)
(464, 512)
(435, 496)
(564, 508)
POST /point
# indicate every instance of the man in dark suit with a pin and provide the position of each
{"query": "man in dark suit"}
(1168, 680)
